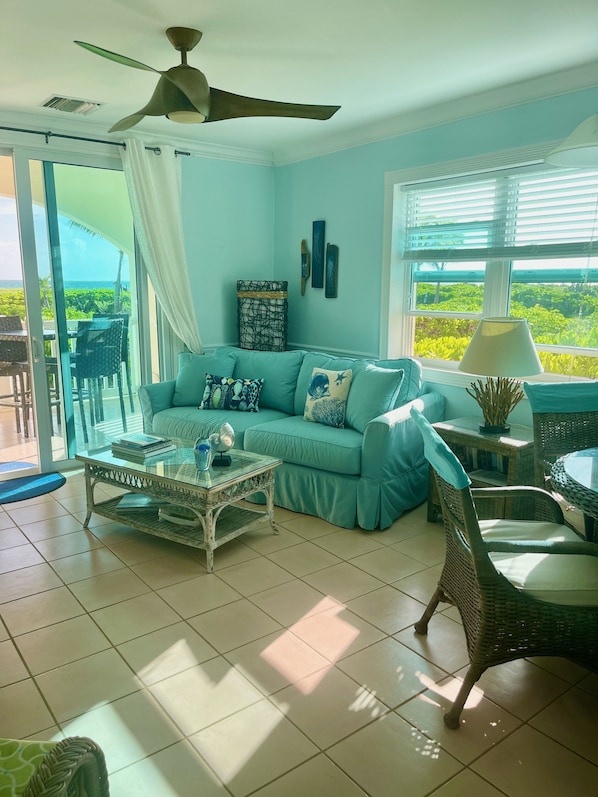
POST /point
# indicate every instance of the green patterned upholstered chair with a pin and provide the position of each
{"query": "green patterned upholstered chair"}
(524, 583)
(72, 767)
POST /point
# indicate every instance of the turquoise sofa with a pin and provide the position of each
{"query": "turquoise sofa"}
(365, 474)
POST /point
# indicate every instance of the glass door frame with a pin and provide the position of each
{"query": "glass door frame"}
(22, 155)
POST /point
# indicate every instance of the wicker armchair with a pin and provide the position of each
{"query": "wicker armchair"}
(525, 586)
(565, 419)
(72, 767)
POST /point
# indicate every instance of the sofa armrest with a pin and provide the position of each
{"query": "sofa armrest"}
(392, 443)
(155, 398)
(394, 471)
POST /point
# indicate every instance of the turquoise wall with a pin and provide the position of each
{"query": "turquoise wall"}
(228, 221)
(346, 189)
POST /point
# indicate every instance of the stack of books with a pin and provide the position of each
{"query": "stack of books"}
(139, 446)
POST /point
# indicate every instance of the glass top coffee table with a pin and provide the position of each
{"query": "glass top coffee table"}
(207, 510)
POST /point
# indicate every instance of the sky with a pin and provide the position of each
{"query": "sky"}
(84, 257)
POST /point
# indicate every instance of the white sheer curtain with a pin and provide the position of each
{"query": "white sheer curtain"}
(154, 185)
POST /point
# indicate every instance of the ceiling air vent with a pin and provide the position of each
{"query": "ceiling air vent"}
(71, 105)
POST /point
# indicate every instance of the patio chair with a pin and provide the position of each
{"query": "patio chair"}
(564, 419)
(14, 363)
(124, 351)
(72, 767)
(96, 357)
(524, 586)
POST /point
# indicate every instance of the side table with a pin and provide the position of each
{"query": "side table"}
(491, 460)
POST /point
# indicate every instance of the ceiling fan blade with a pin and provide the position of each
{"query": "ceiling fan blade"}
(167, 98)
(120, 59)
(224, 105)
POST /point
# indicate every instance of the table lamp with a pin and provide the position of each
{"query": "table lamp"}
(501, 348)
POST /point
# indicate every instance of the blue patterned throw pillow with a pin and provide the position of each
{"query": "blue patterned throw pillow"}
(327, 394)
(227, 393)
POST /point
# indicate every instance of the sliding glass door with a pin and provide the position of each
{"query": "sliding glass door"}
(70, 280)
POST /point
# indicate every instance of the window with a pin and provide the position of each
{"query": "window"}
(517, 241)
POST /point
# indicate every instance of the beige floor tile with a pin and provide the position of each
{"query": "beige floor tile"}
(343, 582)
(519, 687)
(590, 683)
(166, 570)
(87, 565)
(61, 643)
(144, 548)
(389, 757)
(308, 527)
(108, 588)
(572, 720)
(6, 522)
(204, 694)
(67, 545)
(563, 668)
(253, 746)
(328, 706)
(51, 527)
(28, 581)
(483, 724)
(23, 710)
(387, 609)
(127, 730)
(349, 543)
(198, 595)
(387, 564)
(22, 514)
(428, 547)
(264, 542)
(304, 558)
(233, 625)
(276, 660)
(12, 668)
(77, 503)
(233, 553)
(444, 644)
(401, 529)
(177, 771)
(336, 632)
(18, 558)
(318, 777)
(3, 631)
(254, 576)
(292, 601)
(112, 533)
(422, 585)
(467, 784)
(134, 617)
(391, 671)
(40, 610)
(527, 762)
(165, 652)
(86, 684)
(11, 537)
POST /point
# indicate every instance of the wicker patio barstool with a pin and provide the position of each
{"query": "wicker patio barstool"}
(524, 586)
(564, 419)
(72, 767)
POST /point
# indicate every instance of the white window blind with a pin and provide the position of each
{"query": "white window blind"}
(527, 213)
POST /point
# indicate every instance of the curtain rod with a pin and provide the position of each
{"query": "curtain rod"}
(49, 134)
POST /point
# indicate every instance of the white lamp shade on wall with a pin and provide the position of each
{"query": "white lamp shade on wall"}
(580, 149)
(501, 347)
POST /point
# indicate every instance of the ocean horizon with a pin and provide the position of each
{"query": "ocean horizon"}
(75, 285)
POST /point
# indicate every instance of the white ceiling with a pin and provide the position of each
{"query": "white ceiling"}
(378, 59)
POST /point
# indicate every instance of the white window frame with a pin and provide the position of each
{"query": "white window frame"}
(396, 328)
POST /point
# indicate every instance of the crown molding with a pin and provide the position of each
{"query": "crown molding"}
(552, 85)
(50, 122)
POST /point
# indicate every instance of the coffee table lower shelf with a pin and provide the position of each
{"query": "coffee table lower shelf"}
(232, 521)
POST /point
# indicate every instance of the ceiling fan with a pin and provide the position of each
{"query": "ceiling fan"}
(183, 94)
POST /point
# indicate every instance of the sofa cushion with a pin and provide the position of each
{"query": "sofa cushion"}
(327, 394)
(191, 378)
(310, 444)
(189, 423)
(373, 392)
(228, 393)
(311, 360)
(279, 371)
